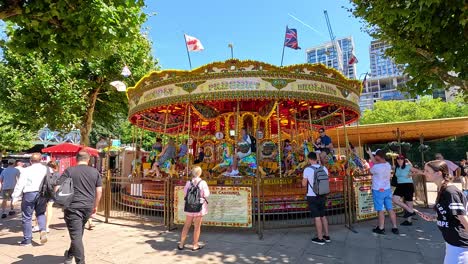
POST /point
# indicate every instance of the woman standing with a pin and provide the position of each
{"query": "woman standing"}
(405, 188)
(451, 211)
(196, 217)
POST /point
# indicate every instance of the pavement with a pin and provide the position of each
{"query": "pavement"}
(133, 242)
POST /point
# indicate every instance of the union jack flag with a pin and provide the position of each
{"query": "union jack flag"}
(290, 40)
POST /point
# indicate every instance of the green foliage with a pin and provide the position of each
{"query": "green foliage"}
(423, 109)
(42, 90)
(427, 36)
(13, 134)
(71, 29)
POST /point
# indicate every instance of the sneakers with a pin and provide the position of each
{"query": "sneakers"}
(395, 231)
(408, 214)
(379, 231)
(318, 241)
(327, 239)
(11, 213)
(25, 243)
(68, 258)
(234, 173)
(406, 223)
(43, 237)
(4, 216)
(35, 229)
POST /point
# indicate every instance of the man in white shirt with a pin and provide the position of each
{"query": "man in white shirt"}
(382, 191)
(28, 188)
(316, 202)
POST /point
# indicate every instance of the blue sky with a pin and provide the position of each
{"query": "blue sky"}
(255, 27)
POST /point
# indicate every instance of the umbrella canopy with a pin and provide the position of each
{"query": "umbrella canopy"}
(69, 149)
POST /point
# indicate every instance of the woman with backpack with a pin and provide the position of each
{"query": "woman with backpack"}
(451, 217)
(196, 206)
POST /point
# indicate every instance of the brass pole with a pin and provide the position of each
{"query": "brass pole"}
(338, 142)
(311, 134)
(278, 119)
(188, 133)
(359, 140)
(237, 120)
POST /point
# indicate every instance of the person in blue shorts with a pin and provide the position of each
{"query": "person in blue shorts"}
(382, 191)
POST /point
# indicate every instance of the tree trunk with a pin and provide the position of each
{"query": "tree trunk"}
(87, 124)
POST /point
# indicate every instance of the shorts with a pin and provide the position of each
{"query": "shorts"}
(405, 190)
(382, 199)
(317, 205)
(6, 194)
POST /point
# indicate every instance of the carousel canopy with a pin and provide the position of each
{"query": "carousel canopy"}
(212, 97)
(69, 149)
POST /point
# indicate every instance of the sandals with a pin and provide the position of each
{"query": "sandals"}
(198, 248)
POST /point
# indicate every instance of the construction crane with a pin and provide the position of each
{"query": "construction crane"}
(335, 44)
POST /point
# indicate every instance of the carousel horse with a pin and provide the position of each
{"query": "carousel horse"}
(226, 159)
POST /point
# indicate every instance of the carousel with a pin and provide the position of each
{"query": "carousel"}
(240, 120)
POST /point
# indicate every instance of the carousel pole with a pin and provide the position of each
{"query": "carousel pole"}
(188, 133)
(311, 134)
(349, 184)
(237, 120)
(279, 137)
(338, 141)
(165, 120)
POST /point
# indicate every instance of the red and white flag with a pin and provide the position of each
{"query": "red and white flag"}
(193, 44)
(352, 60)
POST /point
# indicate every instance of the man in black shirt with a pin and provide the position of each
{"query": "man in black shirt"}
(87, 191)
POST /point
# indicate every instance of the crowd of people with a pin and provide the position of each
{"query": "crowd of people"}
(28, 184)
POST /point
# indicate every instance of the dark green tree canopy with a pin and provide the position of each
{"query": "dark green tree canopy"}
(70, 29)
(428, 37)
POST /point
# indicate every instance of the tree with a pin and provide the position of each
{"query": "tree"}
(70, 29)
(428, 37)
(425, 108)
(13, 134)
(43, 91)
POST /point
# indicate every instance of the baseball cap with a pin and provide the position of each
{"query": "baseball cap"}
(374, 152)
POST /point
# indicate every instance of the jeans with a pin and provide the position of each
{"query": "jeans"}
(76, 218)
(455, 255)
(33, 202)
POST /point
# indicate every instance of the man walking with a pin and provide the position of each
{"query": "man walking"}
(316, 202)
(87, 191)
(382, 191)
(28, 187)
(8, 179)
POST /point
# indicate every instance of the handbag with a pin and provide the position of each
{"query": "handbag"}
(394, 180)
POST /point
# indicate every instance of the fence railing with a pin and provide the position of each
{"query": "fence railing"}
(275, 202)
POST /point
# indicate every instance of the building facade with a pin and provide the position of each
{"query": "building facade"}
(326, 55)
(384, 79)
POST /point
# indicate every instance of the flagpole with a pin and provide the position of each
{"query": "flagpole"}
(282, 56)
(188, 53)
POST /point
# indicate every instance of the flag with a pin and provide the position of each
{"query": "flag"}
(120, 86)
(290, 40)
(193, 44)
(364, 82)
(352, 60)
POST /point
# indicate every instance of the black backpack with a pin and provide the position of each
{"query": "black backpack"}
(193, 198)
(46, 189)
(253, 144)
(64, 194)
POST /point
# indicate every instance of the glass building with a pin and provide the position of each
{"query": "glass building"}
(326, 54)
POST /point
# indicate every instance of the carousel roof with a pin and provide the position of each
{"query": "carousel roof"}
(307, 95)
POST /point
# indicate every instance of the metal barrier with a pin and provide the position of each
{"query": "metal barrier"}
(283, 203)
(135, 199)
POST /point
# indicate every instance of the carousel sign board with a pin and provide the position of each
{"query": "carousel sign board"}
(227, 206)
(364, 202)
